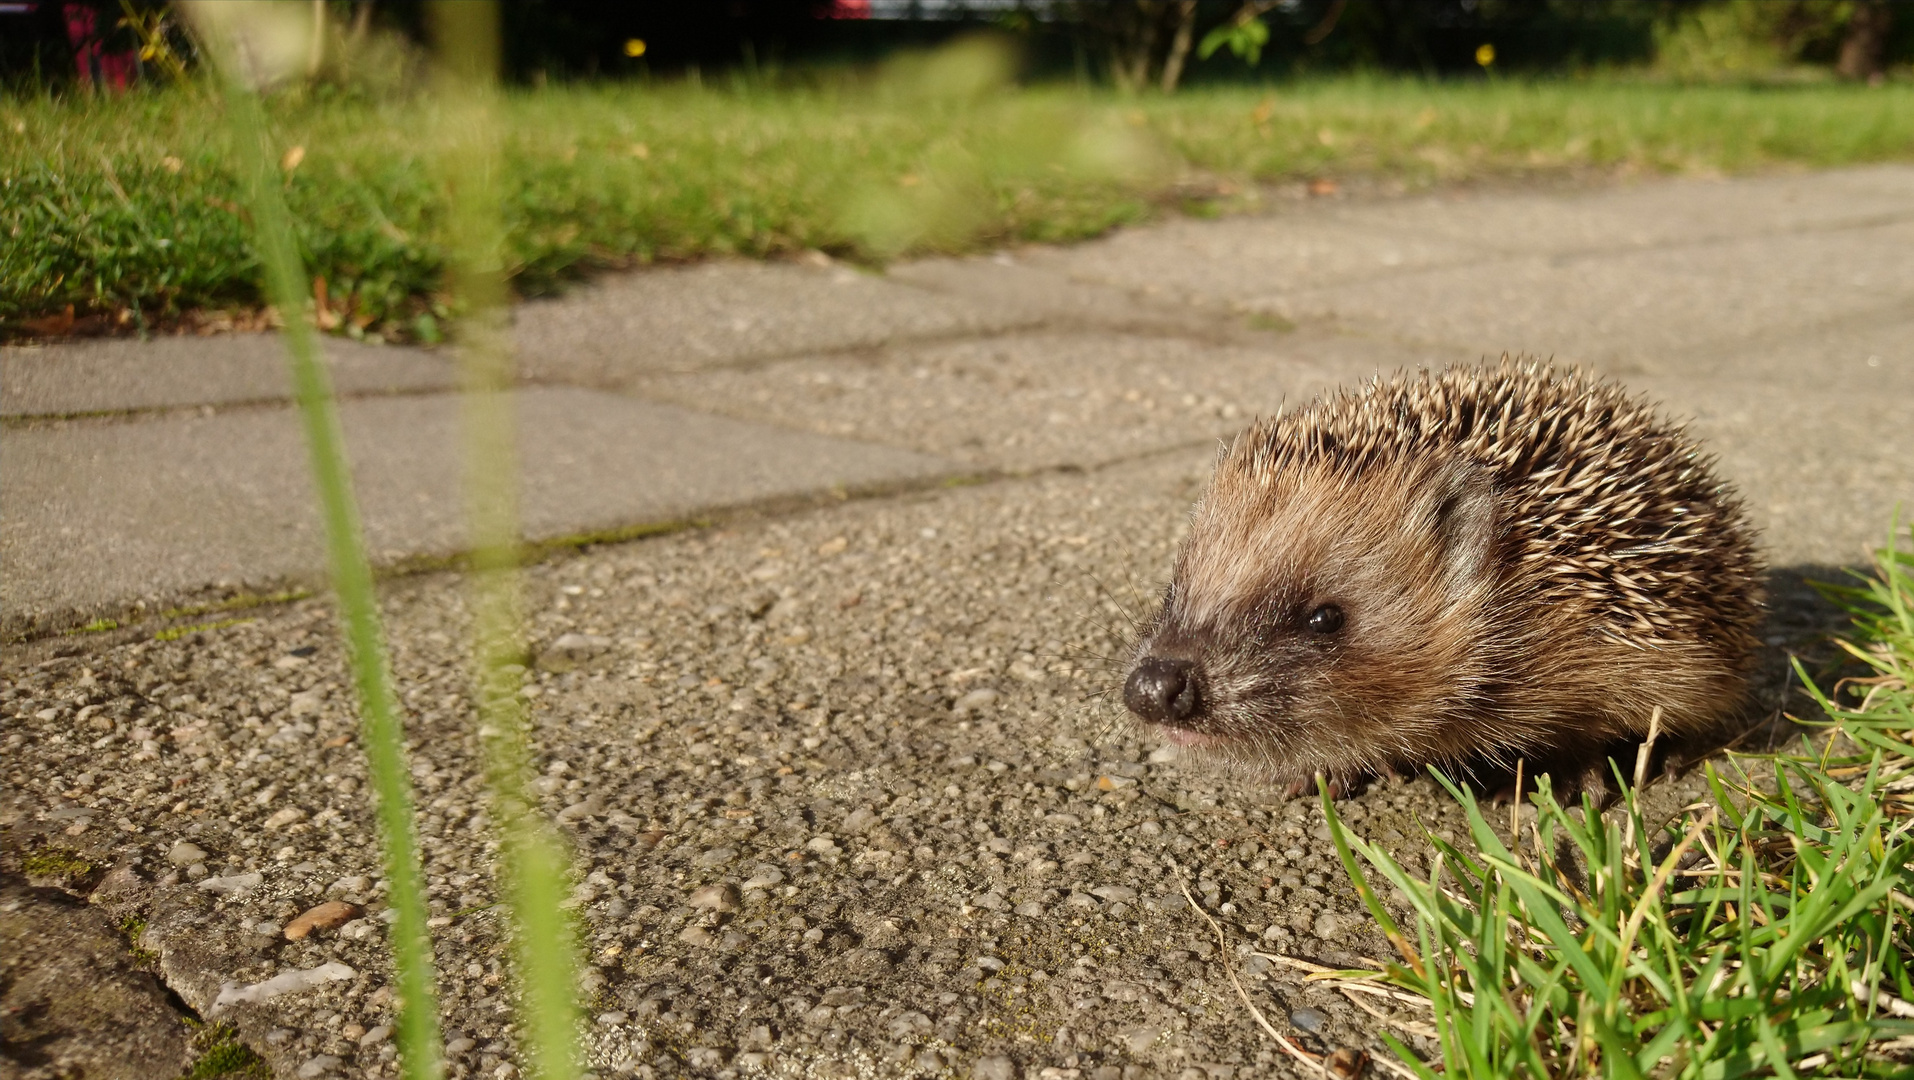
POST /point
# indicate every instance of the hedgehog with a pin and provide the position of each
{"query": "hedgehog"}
(1497, 569)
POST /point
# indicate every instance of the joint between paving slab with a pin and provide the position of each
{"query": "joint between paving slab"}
(1225, 335)
(129, 622)
(31, 420)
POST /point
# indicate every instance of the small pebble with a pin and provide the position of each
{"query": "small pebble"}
(317, 1067)
(714, 898)
(994, 1067)
(1308, 1020)
(327, 916)
(770, 877)
(282, 818)
(578, 811)
(232, 884)
(185, 853)
(715, 856)
(356, 884)
(975, 700)
(861, 821)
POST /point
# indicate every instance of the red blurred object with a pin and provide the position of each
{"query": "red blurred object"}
(98, 67)
(850, 9)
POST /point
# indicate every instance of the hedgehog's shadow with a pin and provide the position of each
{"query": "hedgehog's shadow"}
(1802, 625)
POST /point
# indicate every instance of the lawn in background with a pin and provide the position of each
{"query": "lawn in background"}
(127, 208)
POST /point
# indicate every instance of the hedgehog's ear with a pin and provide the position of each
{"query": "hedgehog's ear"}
(1467, 523)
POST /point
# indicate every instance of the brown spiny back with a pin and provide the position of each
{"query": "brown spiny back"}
(1523, 563)
(1611, 509)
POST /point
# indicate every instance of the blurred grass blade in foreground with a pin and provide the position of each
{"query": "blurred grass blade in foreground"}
(245, 38)
(997, 148)
(534, 874)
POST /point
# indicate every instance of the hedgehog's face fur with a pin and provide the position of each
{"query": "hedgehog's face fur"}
(1321, 617)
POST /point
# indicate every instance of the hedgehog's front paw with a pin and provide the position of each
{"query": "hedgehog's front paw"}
(1339, 787)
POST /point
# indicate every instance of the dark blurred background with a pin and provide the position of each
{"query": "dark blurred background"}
(1134, 44)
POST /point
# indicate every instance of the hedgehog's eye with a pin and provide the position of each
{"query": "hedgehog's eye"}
(1326, 619)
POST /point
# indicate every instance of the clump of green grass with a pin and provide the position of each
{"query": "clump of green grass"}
(1883, 610)
(57, 864)
(222, 1055)
(1427, 133)
(1766, 933)
(174, 633)
(134, 928)
(129, 209)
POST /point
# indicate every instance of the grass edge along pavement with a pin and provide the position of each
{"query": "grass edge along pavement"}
(1768, 931)
(126, 209)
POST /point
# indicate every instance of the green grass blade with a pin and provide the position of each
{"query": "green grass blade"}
(418, 1030)
(536, 866)
(1339, 837)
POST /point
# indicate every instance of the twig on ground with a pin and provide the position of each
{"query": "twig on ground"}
(1222, 941)
(1297, 1052)
(1413, 1027)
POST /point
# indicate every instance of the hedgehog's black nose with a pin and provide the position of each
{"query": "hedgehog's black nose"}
(1162, 691)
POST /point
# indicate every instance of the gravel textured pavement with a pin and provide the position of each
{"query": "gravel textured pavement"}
(845, 787)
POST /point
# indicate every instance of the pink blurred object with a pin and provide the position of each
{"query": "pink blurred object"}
(98, 67)
(850, 9)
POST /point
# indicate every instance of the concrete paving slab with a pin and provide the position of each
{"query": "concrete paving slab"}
(66, 977)
(697, 317)
(1319, 244)
(943, 853)
(1870, 355)
(876, 722)
(119, 375)
(1650, 213)
(1032, 400)
(1023, 285)
(1627, 310)
(1226, 264)
(1821, 473)
(102, 513)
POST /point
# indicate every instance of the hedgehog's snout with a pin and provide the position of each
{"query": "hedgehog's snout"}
(1163, 691)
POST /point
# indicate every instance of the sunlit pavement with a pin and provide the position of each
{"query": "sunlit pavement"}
(839, 788)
